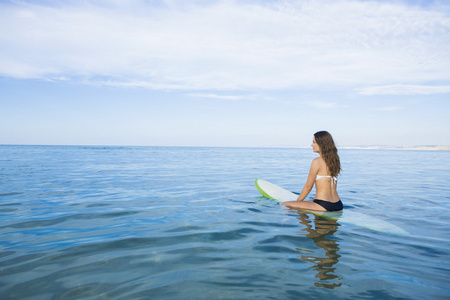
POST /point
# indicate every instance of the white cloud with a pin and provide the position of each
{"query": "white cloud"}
(404, 90)
(226, 45)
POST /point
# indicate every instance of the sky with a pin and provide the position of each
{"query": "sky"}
(248, 73)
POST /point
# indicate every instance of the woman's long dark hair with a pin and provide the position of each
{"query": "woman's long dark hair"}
(328, 151)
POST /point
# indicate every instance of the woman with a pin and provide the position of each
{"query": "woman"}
(323, 172)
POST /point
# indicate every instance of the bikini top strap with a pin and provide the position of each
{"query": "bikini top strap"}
(333, 178)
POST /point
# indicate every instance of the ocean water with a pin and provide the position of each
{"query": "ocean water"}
(188, 223)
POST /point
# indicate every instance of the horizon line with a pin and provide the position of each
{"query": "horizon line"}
(358, 147)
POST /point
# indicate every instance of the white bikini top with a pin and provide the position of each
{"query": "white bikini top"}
(333, 178)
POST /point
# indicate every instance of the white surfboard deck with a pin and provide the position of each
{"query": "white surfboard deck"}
(272, 191)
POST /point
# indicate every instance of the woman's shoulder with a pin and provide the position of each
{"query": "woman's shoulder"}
(319, 162)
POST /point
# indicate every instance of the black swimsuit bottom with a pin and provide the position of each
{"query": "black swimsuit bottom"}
(330, 206)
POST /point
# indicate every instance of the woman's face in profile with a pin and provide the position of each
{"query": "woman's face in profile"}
(314, 145)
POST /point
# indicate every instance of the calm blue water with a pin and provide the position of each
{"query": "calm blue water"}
(188, 223)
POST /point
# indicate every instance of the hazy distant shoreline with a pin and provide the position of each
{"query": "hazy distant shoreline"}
(398, 147)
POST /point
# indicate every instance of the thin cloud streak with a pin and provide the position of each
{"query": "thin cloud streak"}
(224, 97)
(322, 104)
(404, 90)
(367, 46)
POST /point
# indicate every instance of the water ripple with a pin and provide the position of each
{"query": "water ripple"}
(188, 223)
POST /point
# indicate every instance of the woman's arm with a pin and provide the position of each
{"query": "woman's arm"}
(313, 170)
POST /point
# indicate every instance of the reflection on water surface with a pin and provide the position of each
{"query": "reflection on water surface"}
(320, 230)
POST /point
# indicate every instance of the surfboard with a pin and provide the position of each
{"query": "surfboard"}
(274, 192)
